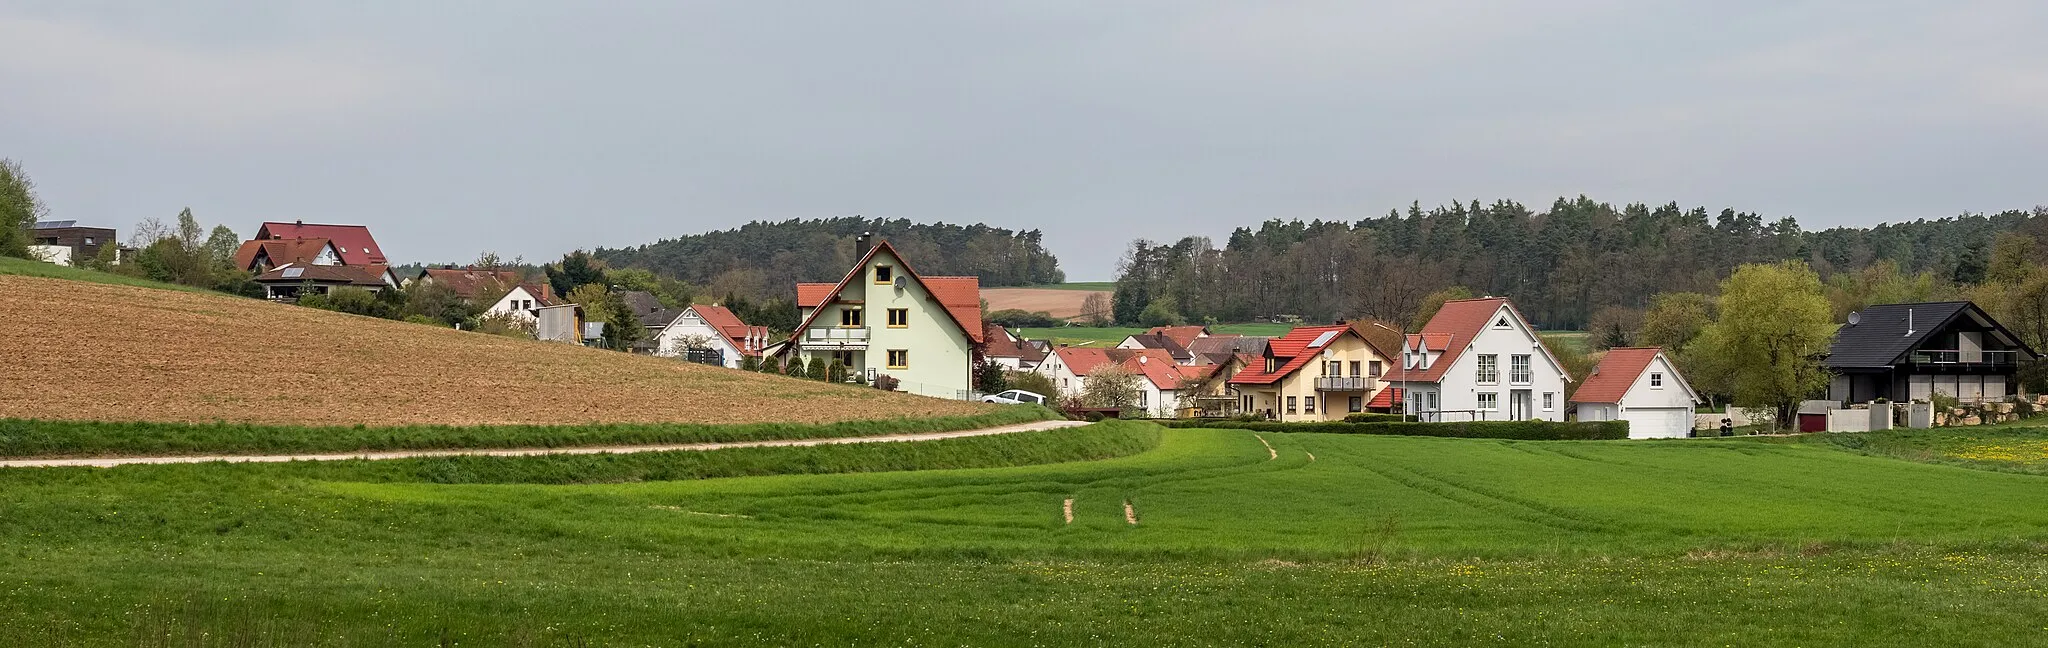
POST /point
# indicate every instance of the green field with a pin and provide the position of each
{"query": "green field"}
(1322, 540)
(1111, 335)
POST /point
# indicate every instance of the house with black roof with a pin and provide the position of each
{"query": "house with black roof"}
(1909, 352)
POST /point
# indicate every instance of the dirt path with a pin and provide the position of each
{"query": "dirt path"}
(107, 462)
(1069, 509)
(1269, 448)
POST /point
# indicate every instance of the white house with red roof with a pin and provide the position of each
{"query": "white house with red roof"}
(883, 318)
(1479, 360)
(1641, 386)
(716, 328)
(522, 300)
(1161, 381)
(1313, 373)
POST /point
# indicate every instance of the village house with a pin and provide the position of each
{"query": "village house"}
(713, 332)
(1910, 352)
(1159, 379)
(1479, 360)
(1010, 352)
(1173, 348)
(471, 283)
(521, 300)
(1208, 393)
(62, 241)
(306, 245)
(1643, 387)
(1218, 349)
(289, 281)
(883, 318)
(1313, 373)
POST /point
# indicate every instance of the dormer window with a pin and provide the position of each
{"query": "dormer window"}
(884, 274)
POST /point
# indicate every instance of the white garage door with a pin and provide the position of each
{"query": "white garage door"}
(1660, 423)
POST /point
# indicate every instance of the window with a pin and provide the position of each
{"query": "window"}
(1354, 367)
(844, 358)
(1489, 369)
(1518, 369)
(1290, 404)
(899, 318)
(1488, 402)
(1375, 368)
(1141, 399)
(1549, 401)
(88, 240)
(1272, 365)
(1357, 404)
(1656, 380)
(849, 317)
(899, 359)
(1309, 405)
(884, 274)
(1502, 323)
(1333, 368)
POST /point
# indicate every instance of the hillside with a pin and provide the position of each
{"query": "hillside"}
(100, 351)
(763, 259)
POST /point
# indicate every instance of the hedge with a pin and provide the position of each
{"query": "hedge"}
(1521, 430)
(1373, 417)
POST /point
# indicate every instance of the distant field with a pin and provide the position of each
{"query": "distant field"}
(1211, 537)
(1110, 336)
(1062, 303)
(113, 349)
(1577, 340)
(1091, 286)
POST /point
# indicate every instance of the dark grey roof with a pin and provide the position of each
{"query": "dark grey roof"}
(1157, 341)
(640, 302)
(1880, 336)
(1229, 345)
(661, 318)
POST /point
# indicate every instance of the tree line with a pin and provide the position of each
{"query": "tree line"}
(762, 260)
(1560, 266)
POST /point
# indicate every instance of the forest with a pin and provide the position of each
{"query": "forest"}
(764, 259)
(1561, 266)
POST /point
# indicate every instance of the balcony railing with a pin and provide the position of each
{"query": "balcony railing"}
(1957, 357)
(1345, 383)
(832, 337)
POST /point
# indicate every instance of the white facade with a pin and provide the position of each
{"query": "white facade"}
(518, 302)
(668, 342)
(1063, 377)
(58, 254)
(1658, 405)
(1521, 380)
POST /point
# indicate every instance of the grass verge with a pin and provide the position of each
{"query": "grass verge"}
(28, 438)
(28, 268)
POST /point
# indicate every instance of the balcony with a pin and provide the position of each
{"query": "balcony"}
(833, 338)
(1346, 383)
(1953, 357)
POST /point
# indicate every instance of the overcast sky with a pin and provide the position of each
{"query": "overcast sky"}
(533, 128)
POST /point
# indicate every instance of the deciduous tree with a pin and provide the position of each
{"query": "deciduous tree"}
(1766, 346)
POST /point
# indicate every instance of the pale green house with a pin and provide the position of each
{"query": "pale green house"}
(884, 319)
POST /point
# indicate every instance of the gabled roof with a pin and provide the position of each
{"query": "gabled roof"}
(1228, 345)
(1882, 337)
(1163, 343)
(1385, 399)
(470, 282)
(641, 302)
(1453, 329)
(1295, 350)
(543, 294)
(661, 318)
(960, 296)
(292, 273)
(281, 251)
(353, 242)
(813, 295)
(1181, 335)
(729, 326)
(1618, 372)
(998, 342)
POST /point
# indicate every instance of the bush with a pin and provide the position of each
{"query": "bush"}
(1034, 382)
(1372, 417)
(886, 382)
(1018, 318)
(1520, 430)
(429, 321)
(816, 370)
(750, 363)
(835, 372)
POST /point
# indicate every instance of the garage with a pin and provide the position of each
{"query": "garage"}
(1658, 422)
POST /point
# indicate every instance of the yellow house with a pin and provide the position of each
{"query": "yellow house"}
(884, 319)
(1317, 373)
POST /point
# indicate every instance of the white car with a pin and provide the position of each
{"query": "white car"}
(1015, 397)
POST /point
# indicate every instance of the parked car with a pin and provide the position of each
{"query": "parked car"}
(1015, 397)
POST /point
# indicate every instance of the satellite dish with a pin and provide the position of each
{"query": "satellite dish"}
(1855, 318)
(902, 282)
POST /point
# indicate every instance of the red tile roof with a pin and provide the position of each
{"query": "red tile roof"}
(812, 295)
(1156, 365)
(998, 342)
(1616, 373)
(469, 282)
(279, 252)
(1295, 350)
(543, 294)
(1182, 335)
(1385, 399)
(748, 339)
(961, 296)
(354, 242)
(1451, 330)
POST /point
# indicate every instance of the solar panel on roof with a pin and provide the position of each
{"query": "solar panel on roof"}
(293, 273)
(1324, 338)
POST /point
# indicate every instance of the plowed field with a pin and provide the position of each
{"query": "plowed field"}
(1053, 301)
(90, 351)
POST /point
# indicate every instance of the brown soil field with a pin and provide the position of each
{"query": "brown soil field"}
(90, 351)
(1057, 303)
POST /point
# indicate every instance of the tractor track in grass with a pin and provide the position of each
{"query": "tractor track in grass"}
(1513, 507)
(109, 462)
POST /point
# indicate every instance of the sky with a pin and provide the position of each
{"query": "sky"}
(533, 128)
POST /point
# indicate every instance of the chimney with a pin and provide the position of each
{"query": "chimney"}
(862, 243)
(299, 222)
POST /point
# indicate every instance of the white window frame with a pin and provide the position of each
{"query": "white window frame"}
(1480, 402)
(1520, 370)
(1656, 380)
(1549, 401)
(1486, 370)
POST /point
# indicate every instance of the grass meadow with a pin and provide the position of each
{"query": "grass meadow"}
(1178, 537)
(1110, 336)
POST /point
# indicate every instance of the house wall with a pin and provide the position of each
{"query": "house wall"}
(1459, 388)
(514, 303)
(1654, 412)
(667, 342)
(941, 356)
(58, 254)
